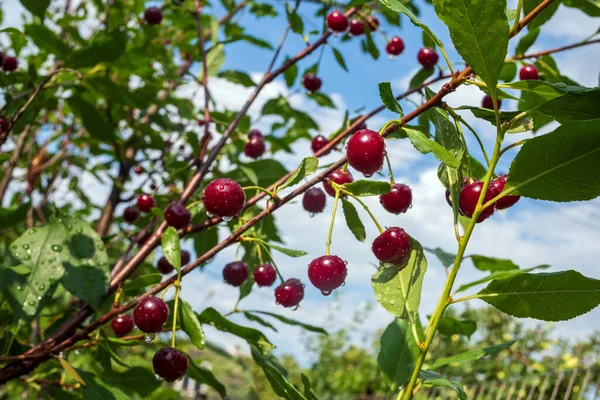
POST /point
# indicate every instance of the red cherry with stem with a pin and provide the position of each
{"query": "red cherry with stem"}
(145, 203)
(395, 46)
(311, 82)
(488, 103)
(138, 170)
(4, 125)
(338, 176)
(153, 186)
(469, 196)
(397, 200)
(169, 364)
(366, 151)
(265, 275)
(327, 273)
(235, 273)
(528, 73)
(318, 143)
(10, 64)
(165, 267)
(496, 187)
(392, 246)
(373, 23)
(153, 15)
(131, 214)
(337, 22)
(150, 314)
(427, 57)
(290, 293)
(357, 27)
(201, 122)
(122, 325)
(255, 147)
(254, 132)
(314, 200)
(177, 215)
(224, 198)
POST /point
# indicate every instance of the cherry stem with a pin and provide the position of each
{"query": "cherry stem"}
(259, 252)
(517, 17)
(381, 230)
(510, 146)
(271, 194)
(389, 164)
(268, 252)
(335, 204)
(175, 310)
(117, 301)
(459, 118)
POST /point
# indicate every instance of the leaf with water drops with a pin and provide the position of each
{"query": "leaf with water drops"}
(171, 248)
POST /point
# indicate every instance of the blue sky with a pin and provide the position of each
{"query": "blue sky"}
(531, 233)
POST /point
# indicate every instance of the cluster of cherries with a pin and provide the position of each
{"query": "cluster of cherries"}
(527, 73)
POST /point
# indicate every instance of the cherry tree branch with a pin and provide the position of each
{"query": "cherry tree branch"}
(552, 51)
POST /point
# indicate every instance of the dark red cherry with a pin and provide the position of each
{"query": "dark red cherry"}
(392, 246)
(469, 196)
(10, 64)
(314, 200)
(145, 203)
(1, 58)
(397, 200)
(153, 186)
(290, 293)
(338, 176)
(153, 15)
(201, 122)
(496, 187)
(366, 151)
(395, 46)
(122, 325)
(528, 73)
(318, 143)
(235, 273)
(138, 170)
(373, 23)
(255, 147)
(254, 132)
(165, 267)
(224, 197)
(4, 125)
(488, 103)
(427, 57)
(265, 275)
(311, 82)
(169, 364)
(150, 314)
(337, 22)
(131, 214)
(327, 273)
(357, 27)
(177, 215)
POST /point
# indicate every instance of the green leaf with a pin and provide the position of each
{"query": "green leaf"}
(71, 371)
(484, 263)
(142, 282)
(397, 351)
(113, 355)
(387, 97)
(508, 72)
(498, 275)
(420, 77)
(46, 39)
(14, 214)
(190, 324)
(287, 252)
(471, 355)
(362, 188)
(203, 375)
(370, 46)
(590, 7)
(206, 239)
(339, 58)
(322, 99)
(559, 166)
(398, 287)
(254, 337)
(289, 321)
(527, 41)
(547, 90)
(308, 392)
(157, 212)
(122, 342)
(214, 61)
(523, 124)
(449, 326)
(479, 31)
(263, 10)
(238, 77)
(36, 7)
(93, 120)
(445, 258)
(554, 296)
(135, 380)
(281, 386)
(290, 74)
(543, 17)
(104, 48)
(573, 107)
(171, 248)
(256, 318)
(423, 144)
(97, 389)
(294, 20)
(430, 378)
(353, 220)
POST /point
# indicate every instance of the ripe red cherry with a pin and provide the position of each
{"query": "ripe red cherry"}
(265, 275)
(169, 364)
(153, 186)
(327, 273)
(337, 22)
(145, 203)
(201, 122)
(224, 198)
(254, 132)
(529, 72)
(177, 215)
(392, 246)
(318, 143)
(395, 46)
(373, 23)
(165, 267)
(131, 214)
(290, 293)
(464, 183)
(150, 314)
(397, 200)
(122, 325)
(311, 82)
(469, 195)
(314, 200)
(10, 64)
(427, 57)
(138, 170)
(496, 187)
(357, 27)
(255, 147)
(235, 273)
(366, 151)
(488, 103)
(4, 125)
(338, 176)
(153, 15)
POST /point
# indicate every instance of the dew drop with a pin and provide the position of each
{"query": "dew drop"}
(42, 287)
(31, 231)
(61, 355)
(295, 308)
(17, 254)
(379, 296)
(344, 283)
(31, 302)
(227, 219)
(312, 215)
(158, 378)
(276, 302)
(39, 298)
(26, 246)
(368, 175)
(19, 287)
(391, 57)
(325, 292)
(69, 227)
(77, 352)
(149, 337)
(392, 302)
(345, 262)
(180, 379)
(100, 247)
(57, 248)
(209, 215)
(26, 257)
(79, 230)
